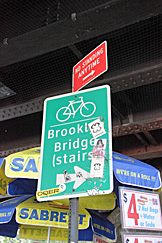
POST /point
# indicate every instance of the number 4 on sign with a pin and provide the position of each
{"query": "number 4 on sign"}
(135, 241)
(133, 215)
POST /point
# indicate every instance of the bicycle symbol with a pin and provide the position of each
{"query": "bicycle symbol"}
(86, 109)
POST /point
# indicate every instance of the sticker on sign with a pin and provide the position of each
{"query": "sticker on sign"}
(74, 162)
(90, 67)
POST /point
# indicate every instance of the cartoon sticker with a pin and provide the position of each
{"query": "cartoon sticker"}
(96, 128)
(98, 158)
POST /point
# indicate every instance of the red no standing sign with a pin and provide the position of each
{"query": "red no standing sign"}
(90, 67)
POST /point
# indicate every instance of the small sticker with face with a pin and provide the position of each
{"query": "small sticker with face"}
(97, 128)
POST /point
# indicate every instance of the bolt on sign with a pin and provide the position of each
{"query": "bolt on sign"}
(76, 146)
(90, 67)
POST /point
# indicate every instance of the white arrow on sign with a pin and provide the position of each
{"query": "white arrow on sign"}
(90, 74)
(79, 177)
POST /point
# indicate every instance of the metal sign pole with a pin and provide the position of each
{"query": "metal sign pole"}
(73, 220)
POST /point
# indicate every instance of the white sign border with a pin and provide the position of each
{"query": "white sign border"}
(136, 234)
(110, 144)
(121, 208)
(84, 58)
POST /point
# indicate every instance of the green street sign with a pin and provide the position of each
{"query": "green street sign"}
(76, 146)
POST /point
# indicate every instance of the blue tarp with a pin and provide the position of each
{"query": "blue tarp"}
(102, 226)
(8, 225)
(7, 208)
(127, 171)
(1, 161)
(22, 187)
(130, 171)
(9, 229)
(86, 234)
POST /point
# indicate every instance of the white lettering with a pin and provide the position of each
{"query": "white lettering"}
(59, 160)
(57, 146)
(63, 132)
(76, 144)
(50, 134)
(79, 128)
(65, 157)
(92, 142)
(64, 145)
(84, 144)
(70, 130)
(72, 158)
(57, 131)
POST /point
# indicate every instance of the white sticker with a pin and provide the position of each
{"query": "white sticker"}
(62, 187)
(97, 167)
(96, 128)
(92, 192)
(98, 158)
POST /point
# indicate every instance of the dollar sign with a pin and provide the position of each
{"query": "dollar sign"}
(127, 240)
(125, 199)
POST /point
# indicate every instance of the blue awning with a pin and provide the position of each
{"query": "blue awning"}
(130, 171)
(7, 208)
(9, 226)
(102, 226)
(9, 229)
(1, 161)
(22, 187)
(127, 171)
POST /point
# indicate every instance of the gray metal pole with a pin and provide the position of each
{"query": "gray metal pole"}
(73, 220)
(49, 233)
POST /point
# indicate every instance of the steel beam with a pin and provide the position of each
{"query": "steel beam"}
(150, 138)
(141, 139)
(124, 80)
(127, 129)
(75, 50)
(22, 109)
(144, 125)
(106, 18)
(144, 152)
(128, 79)
(17, 146)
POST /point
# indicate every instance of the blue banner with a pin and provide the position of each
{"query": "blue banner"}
(86, 234)
(9, 229)
(130, 171)
(22, 187)
(1, 161)
(8, 207)
(102, 226)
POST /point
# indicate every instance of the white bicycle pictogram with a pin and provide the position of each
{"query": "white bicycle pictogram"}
(86, 109)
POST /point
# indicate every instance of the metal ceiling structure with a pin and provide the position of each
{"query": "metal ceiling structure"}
(41, 41)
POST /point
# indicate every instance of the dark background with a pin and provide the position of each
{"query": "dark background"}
(41, 41)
